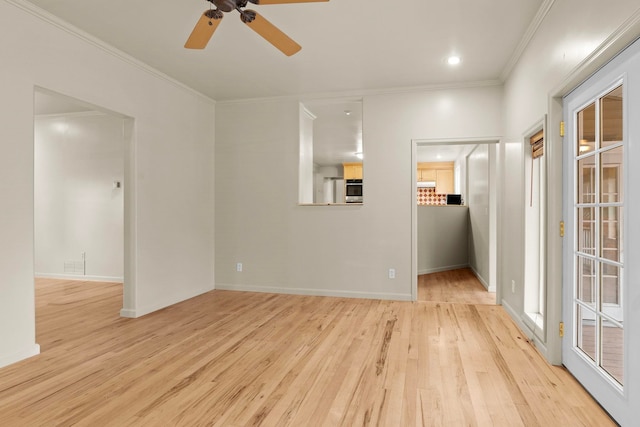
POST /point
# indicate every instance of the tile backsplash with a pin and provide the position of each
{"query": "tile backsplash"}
(428, 196)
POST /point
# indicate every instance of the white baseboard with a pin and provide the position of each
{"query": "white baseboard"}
(79, 277)
(314, 292)
(6, 360)
(136, 312)
(127, 312)
(481, 280)
(540, 345)
(517, 319)
(439, 269)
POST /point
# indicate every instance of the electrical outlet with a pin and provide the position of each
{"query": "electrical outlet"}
(513, 286)
(392, 273)
(239, 267)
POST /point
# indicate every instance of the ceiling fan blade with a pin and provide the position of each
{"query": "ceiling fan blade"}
(283, 1)
(270, 32)
(204, 29)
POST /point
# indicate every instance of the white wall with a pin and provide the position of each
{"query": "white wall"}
(77, 208)
(479, 208)
(170, 194)
(345, 250)
(443, 238)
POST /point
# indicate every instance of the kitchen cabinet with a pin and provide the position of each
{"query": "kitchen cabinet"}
(439, 172)
(352, 170)
(425, 174)
(444, 181)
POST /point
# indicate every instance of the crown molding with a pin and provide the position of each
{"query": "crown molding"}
(53, 20)
(69, 115)
(357, 95)
(526, 38)
(624, 36)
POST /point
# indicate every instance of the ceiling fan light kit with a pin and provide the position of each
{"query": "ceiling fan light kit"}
(211, 18)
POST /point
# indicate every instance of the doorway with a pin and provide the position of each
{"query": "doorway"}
(601, 331)
(472, 233)
(81, 165)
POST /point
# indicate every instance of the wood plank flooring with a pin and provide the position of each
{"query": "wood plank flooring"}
(460, 286)
(248, 359)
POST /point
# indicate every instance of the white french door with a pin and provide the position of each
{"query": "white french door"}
(602, 334)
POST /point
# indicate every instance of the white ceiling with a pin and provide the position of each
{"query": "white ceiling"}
(347, 45)
(442, 153)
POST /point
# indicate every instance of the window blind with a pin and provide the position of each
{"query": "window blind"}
(537, 145)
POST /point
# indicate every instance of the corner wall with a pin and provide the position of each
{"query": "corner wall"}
(443, 238)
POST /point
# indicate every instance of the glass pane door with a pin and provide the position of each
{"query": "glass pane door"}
(598, 242)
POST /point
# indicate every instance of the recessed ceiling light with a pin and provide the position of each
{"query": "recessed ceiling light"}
(347, 112)
(454, 60)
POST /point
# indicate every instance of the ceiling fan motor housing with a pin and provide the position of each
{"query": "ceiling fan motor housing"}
(213, 14)
(227, 5)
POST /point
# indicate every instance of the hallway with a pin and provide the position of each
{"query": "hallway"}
(459, 286)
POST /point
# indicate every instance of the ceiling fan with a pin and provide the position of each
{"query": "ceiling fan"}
(211, 18)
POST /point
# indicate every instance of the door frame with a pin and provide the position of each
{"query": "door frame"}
(624, 36)
(620, 402)
(493, 206)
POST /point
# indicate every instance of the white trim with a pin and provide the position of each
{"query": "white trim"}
(306, 111)
(130, 250)
(164, 302)
(26, 353)
(620, 39)
(524, 330)
(314, 292)
(94, 41)
(554, 242)
(531, 31)
(481, 280)
(515, 317)
(362, 93)
(79, 277)
(414, 221)
(129, 313)
(68, 115)
(439, 269)
(532, 320)
(414, 205)
(458, 141)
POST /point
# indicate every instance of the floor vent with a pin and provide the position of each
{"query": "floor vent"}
(74, 267)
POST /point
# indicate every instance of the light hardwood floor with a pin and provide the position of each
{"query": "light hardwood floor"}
(459, 286)
(237, 359)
